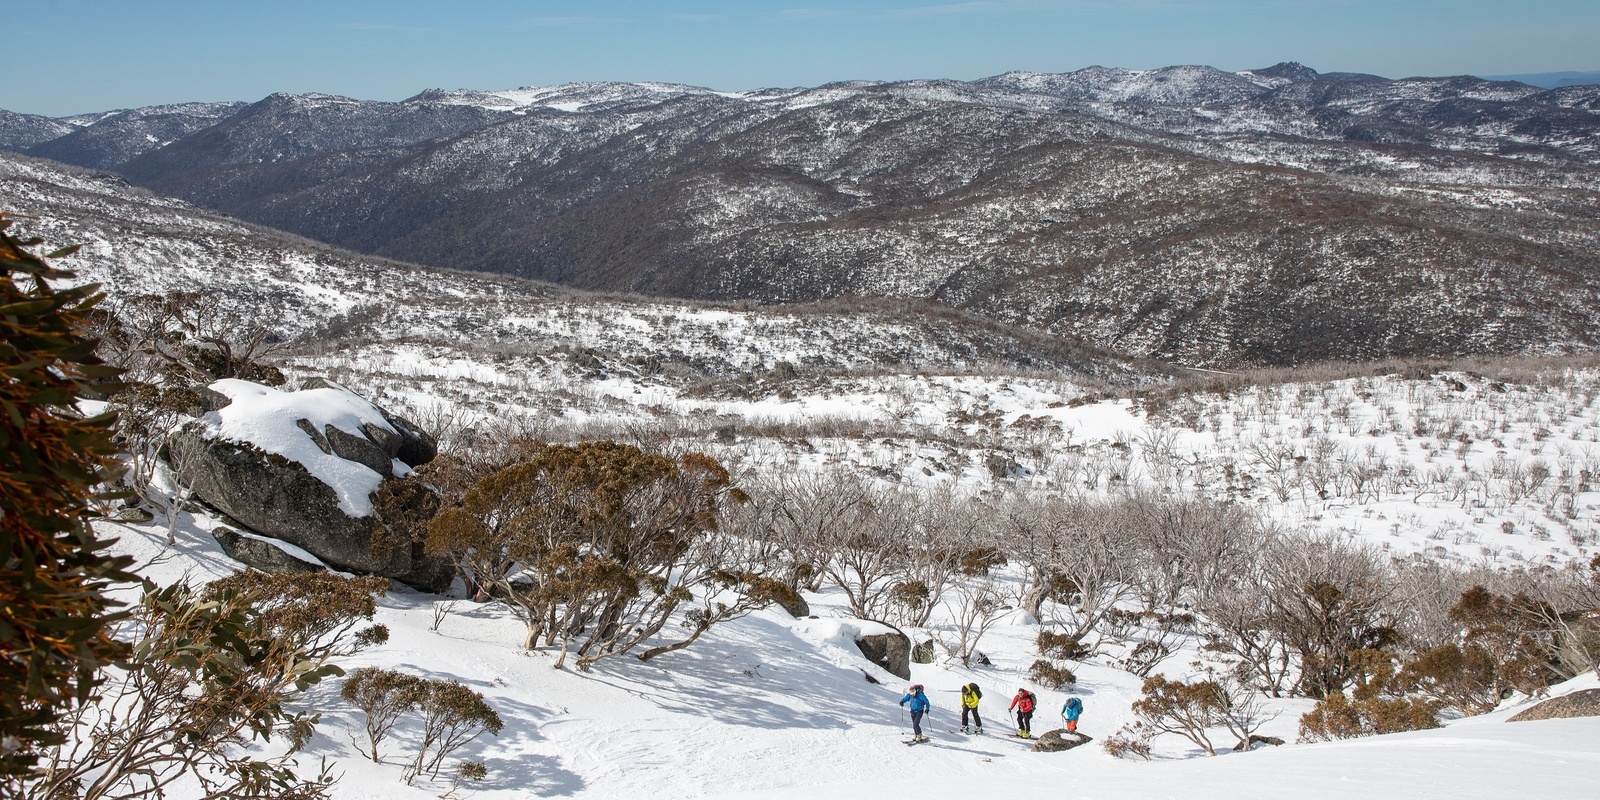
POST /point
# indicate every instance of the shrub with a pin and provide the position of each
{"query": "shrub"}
(1514, 635)
(599, 544)
(909, 595)
(1377, 703)
(382, 695)
(189, 337)
(466, 771)
(208, 674)
(1144, 657)
(1332, 718)
(1048, 674)
(313, 611)
(402, 509)
(1185, 709)
(1060, 646)
(981, 560)
(1458, 677)
(54, 571)
(452, 716)
(1126, 742)
(1339, 717)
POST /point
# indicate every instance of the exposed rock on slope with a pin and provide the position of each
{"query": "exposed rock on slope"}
(260, 554)
(890, 650)
(1585, 703)
(303, 467)
(1059, 739)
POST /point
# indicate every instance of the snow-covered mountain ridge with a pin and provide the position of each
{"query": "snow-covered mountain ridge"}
(1274, 216)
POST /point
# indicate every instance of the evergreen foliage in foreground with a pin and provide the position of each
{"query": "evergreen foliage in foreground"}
(53, 570)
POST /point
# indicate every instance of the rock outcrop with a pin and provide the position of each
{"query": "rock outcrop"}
(891, 650)
(1060, 739)
(1255, 741)
(1585, 703)
(261, 554)
(275, 463)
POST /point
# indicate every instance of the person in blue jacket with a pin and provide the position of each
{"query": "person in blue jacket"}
(917, 701)
(1070, 711)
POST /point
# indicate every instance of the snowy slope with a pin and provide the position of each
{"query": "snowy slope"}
(769, 706)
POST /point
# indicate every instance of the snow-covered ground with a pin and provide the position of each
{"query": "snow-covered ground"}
(772, 706)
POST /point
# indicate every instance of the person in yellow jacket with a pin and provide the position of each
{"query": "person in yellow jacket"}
(970, 695)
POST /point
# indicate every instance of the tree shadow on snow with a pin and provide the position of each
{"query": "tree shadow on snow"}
(794, 685)
(534, 772)
(508, 755)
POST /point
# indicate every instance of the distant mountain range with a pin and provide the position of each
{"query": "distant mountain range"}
(1550, 80)
(1265, 217)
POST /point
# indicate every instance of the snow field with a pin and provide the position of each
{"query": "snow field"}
(774, 707)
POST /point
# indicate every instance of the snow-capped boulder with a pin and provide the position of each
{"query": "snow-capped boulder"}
(303, 467)
(888, 648)
(1585, 703)
(1060, 739)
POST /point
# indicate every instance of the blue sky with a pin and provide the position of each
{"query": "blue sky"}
(75, 56)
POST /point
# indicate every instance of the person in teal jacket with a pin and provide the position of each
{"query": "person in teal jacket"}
(1070, 711)
(917, 701)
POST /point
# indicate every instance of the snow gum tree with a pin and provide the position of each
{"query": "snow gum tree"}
(1187, 709)
(1325, 600)
(1506, 644)
(210, 670)
(596, 545)
(54, 571)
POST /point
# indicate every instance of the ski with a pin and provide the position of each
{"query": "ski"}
(918, 741)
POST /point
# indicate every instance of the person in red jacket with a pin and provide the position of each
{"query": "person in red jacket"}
(1023, 704)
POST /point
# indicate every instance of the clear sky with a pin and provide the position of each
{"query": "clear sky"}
(75, 56)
